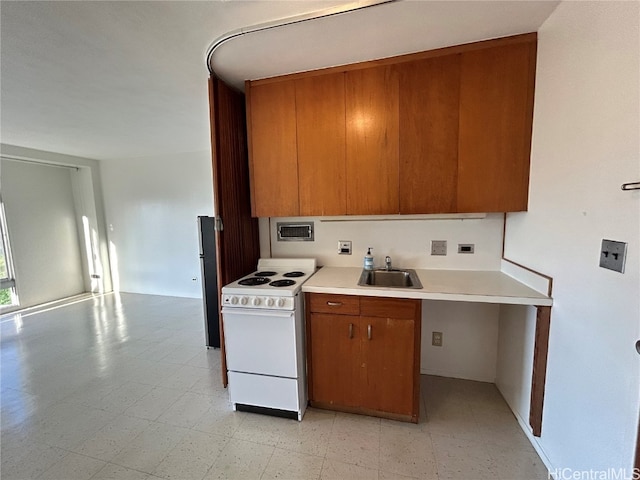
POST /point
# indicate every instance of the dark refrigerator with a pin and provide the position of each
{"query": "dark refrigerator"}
(207, 236)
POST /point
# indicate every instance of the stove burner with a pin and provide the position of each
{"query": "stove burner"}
(252, 281)
(266, 273)
(293, 274)
(282, 283)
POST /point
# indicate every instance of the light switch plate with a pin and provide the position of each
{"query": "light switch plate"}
(438, 247)
(613, 255)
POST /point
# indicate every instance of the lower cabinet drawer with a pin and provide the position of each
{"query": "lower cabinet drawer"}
(336, 304)
(389, 307)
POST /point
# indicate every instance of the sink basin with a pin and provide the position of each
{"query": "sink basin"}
(395, 278)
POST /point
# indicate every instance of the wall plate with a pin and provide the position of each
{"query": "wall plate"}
(466, 248)
(613, 255)
(344, 247)
(438, 247)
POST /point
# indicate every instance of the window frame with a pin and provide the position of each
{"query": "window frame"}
(8, 282)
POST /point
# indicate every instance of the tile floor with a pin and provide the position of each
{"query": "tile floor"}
(122, 387)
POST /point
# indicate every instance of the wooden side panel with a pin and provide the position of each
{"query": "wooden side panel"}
(335, 348)
(636, 461)
(238, 244)
(429, 101)
(320, 112)
(372, 141)
(496, 111)
(388, 361)
(541, 348)
(273, 158)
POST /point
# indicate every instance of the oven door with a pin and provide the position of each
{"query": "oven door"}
(261, 341)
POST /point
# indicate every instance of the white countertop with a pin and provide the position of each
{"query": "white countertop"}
(451, 285)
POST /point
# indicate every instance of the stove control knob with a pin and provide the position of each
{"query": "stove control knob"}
(270, 302)
(281, 302)
(256, 301)
(234, 300)
(244, 300)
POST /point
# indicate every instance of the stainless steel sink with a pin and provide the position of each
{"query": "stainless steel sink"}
(395, 278)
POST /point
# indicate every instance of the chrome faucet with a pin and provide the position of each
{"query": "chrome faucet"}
(387, 262)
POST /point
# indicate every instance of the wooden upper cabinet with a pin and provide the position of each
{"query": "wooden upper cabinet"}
(320, 113)
(271, 124)
(496, 113)
(372, 141)
(429, 97)
(445, 131)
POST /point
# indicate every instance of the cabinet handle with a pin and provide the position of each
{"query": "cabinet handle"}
(351, 330)
(369, 332)
(334, 304)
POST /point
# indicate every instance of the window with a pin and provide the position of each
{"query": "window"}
(8, 296)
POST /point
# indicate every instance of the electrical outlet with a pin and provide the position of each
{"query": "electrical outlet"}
(344, 247)
(466, 248)
(436, 339)
(612, 255)
(438, 247)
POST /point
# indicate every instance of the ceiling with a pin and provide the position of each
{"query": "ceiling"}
(118, 80)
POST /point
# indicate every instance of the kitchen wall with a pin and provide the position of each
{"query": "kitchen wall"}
(408, 242)
(151, 205)
(585, 145)
(45, 207)
(470, 330)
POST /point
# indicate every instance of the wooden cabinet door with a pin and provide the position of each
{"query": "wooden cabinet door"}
(388, 351)
(429, 98)
(320, 113)
(238, 244)
(271, 121)
(496, 113)
(334, 355)
(372, 141)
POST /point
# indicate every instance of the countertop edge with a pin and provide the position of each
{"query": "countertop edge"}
(452, 297)
(327, 287)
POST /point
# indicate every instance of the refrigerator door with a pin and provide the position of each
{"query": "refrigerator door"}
(207, 237)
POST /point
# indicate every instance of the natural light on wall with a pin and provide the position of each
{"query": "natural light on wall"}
(115, 276)
(94, 265)
(8, 294)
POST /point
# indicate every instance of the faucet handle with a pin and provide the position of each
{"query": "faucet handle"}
(387, 262)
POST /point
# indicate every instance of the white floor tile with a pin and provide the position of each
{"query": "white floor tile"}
(127, 379)
(241, 460)
(73, 467)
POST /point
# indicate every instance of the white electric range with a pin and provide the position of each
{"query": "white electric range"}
(263, 324)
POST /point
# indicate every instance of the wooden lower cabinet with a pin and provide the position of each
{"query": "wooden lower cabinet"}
(335, 382)
(367, 362)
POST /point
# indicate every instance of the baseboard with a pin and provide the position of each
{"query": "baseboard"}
(461, 376)
(26, 311)
(526, 428)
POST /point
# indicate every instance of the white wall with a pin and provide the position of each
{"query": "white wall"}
(43, 234)
(408, 242)
(87, 197)
(151, 206)
(469, 340)
(585, 145)
(470, 330)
